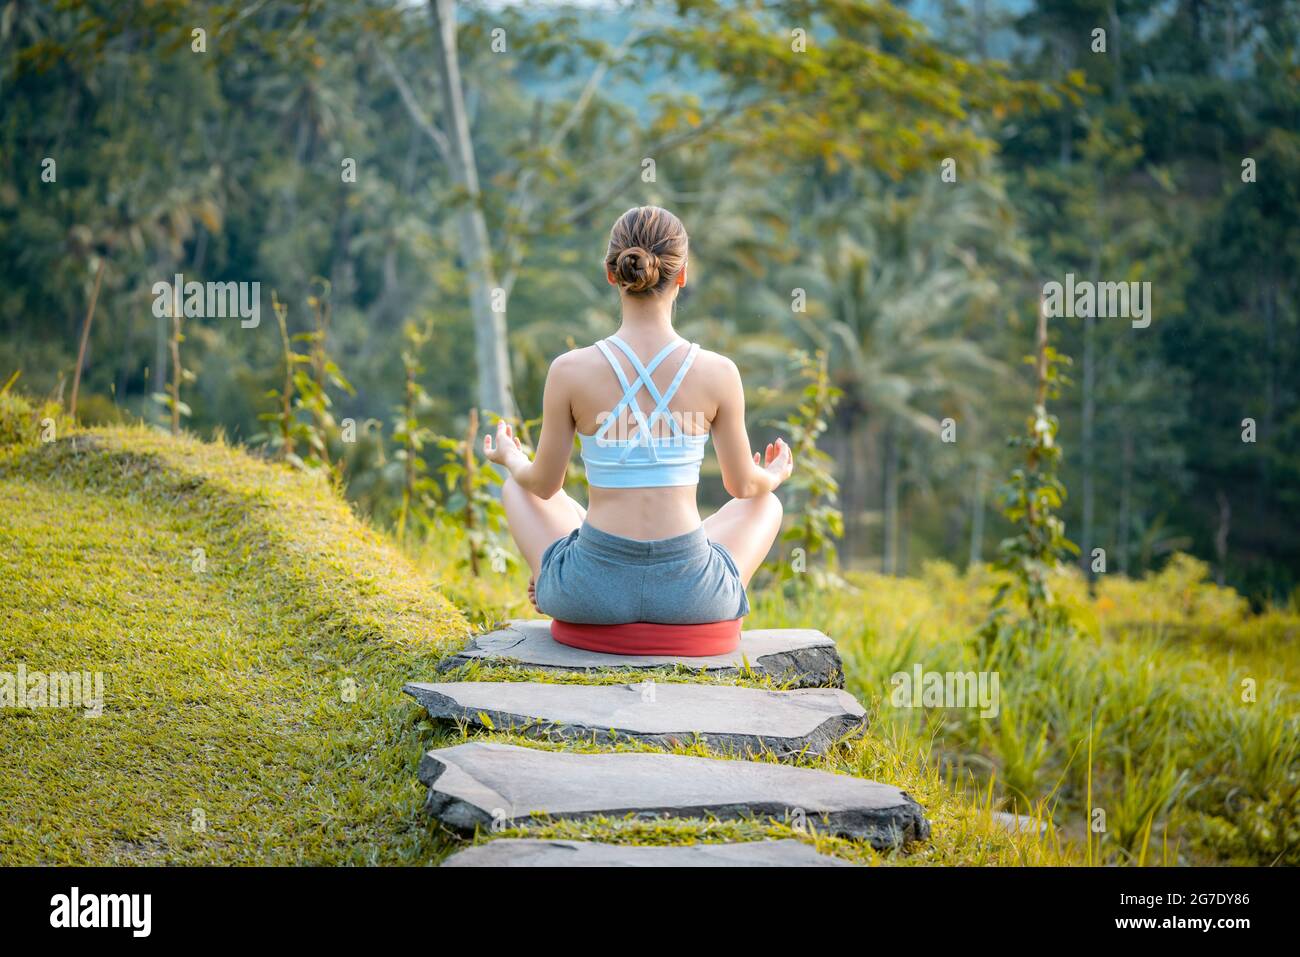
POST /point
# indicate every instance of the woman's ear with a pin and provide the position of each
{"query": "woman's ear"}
(609, 277)
(681, 276)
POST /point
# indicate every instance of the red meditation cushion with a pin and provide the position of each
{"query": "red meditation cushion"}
(647, 638)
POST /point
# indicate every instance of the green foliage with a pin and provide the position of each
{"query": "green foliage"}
(312, 384)
(419, 490)
(1135, 712)
(302, 422)
(472, 505)
(911, 331)
(171, 399)
(452, 491)
(812, 165)
(1030, 500)
(864, 86)
(27, 422)
(816, 520)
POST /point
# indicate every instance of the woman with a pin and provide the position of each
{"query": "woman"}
(644, 403)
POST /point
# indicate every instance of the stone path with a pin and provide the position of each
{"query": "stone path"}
(725, 717)
(483, 785)
(803, 657)
(524, 852)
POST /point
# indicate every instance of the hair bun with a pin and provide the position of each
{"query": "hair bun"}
(636, 269)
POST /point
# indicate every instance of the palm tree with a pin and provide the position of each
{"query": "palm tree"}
(901, 291)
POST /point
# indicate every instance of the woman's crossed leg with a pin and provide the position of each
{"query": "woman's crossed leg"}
(746, 527)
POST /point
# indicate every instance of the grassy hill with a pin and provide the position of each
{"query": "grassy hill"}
(229, 604)
(253, 636)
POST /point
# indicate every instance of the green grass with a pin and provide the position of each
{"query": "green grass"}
(1185, 766)
(225, 687)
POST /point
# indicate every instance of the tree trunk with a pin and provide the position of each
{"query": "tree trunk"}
(494, 389)
(889, 505)
(1269, 297)
(471, 434)
(85, 338)
(1126, 502)
(839, 445)
(1087, 443)
(904, 522)
(160, 337)
(855, 499)
(1221, 537)
(1115, 40)
(977, 518)
(176, 372)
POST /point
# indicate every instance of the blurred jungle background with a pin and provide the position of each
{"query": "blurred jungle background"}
(310, 148)
(876, 195)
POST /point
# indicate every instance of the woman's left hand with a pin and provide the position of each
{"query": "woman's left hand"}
(779, 461)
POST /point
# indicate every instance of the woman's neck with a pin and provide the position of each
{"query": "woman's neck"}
(647, 322)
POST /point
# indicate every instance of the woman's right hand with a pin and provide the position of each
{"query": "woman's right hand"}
(779, 462)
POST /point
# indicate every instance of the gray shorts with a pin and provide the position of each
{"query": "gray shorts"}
(591, 577)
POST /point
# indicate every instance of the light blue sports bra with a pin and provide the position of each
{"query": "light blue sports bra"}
(643, 459)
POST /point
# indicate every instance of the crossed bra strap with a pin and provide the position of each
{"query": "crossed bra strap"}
(644, 374)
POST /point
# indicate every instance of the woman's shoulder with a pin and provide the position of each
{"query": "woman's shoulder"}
(715, 359)
(718, 367)
(576, 364)
(576, 359)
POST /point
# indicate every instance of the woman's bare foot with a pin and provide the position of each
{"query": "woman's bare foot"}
(532, 592)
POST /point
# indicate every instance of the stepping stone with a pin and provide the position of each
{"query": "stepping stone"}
(800, 655)
(483, 784)
(725, 717)
(523, 852)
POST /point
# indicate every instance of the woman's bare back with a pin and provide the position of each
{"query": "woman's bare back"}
(643, 513)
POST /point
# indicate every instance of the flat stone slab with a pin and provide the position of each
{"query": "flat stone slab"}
(480, 784)
(525, 852)
(800, 655)
(725, 717)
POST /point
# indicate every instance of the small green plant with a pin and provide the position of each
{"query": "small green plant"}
(1030, 499)
(302, 419)
(473, 502)
(420, 492)
(322, 372)
(816, 518)
(24, 421)
(171, 399)
(286, 434)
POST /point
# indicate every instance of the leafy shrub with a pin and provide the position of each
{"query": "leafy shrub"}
(24, 421)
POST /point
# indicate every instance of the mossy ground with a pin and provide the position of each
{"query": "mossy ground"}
(229, 704)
